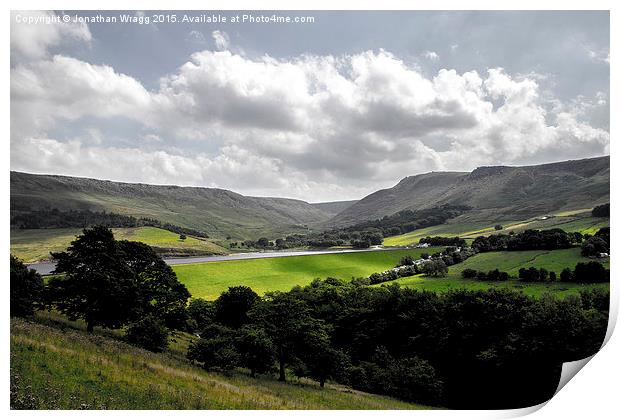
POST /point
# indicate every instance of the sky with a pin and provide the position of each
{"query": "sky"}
(327, 110)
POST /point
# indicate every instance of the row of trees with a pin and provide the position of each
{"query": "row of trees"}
(48, 218)
(528, 240)
(458, 349)
(590, 272)
(491, 275)
(443, 241)
(365, 234)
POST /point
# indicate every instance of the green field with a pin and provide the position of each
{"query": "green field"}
(510, 262)
(57, 366)
(570, 221)
(208, 280)
(33, 245)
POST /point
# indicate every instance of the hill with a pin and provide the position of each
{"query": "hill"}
(218, 212)
(496, 193)
(334, 207)
(56, 365)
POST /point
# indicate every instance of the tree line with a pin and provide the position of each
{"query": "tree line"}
(49, 218)
(364, 234)
(461, 349)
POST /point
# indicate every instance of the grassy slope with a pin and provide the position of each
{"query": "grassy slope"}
(218, 212)
(64, 368)
(35, 244)
(208, 280)
(510, 262)
(574, 221)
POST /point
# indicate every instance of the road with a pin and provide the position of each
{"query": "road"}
(46, 268)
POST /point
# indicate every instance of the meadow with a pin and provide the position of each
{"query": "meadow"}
(570, 221)
(208, 280)
(32, 245)
(56, 365)
(510, 262)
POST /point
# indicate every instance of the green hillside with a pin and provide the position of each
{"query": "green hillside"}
(509, 261)
(32, 245)
(59, 366)
(218, 212)
(208, 280)
(494, 194)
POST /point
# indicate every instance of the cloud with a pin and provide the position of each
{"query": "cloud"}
(221, 40)
(197, 37)
(598, 55)
(33, 33)
(313, 127)
(431, 55)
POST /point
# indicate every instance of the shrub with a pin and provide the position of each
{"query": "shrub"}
(149, 333)
(590, 272)
(566, 275)
(406, 260)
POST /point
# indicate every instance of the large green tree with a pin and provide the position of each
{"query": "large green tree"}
(287, 321)
(111, 283)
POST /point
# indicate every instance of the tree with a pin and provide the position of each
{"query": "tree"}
(320, 361)
(216, 350)
(553, 277)
(499, 227)
(435, 268)
(406, 260)
(590, 272)
(161, 293)
(566, 275)
(469, 273)
(201, 314)
(182, 237)
(112, 283)
(149, 333)
(256, 350)
(26, 289)
(97, 286)
(262, 243)
(287, 322)
(232, 306)
(601, 211)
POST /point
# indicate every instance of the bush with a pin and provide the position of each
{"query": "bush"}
(216, 351)
(406, 260)
(601, 211)
(149, 333)
(566, 275)
(590, 272)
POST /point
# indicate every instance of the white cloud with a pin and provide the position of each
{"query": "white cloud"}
(313, 127)
(431, 55)
(197, 37)
(221, 40)
(34, 32)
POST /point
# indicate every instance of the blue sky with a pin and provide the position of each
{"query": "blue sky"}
(328, 110)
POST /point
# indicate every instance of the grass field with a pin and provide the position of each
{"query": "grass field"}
(509, 262)
(208, 280)
(61, 367)
(33, 245)
(570, 221)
